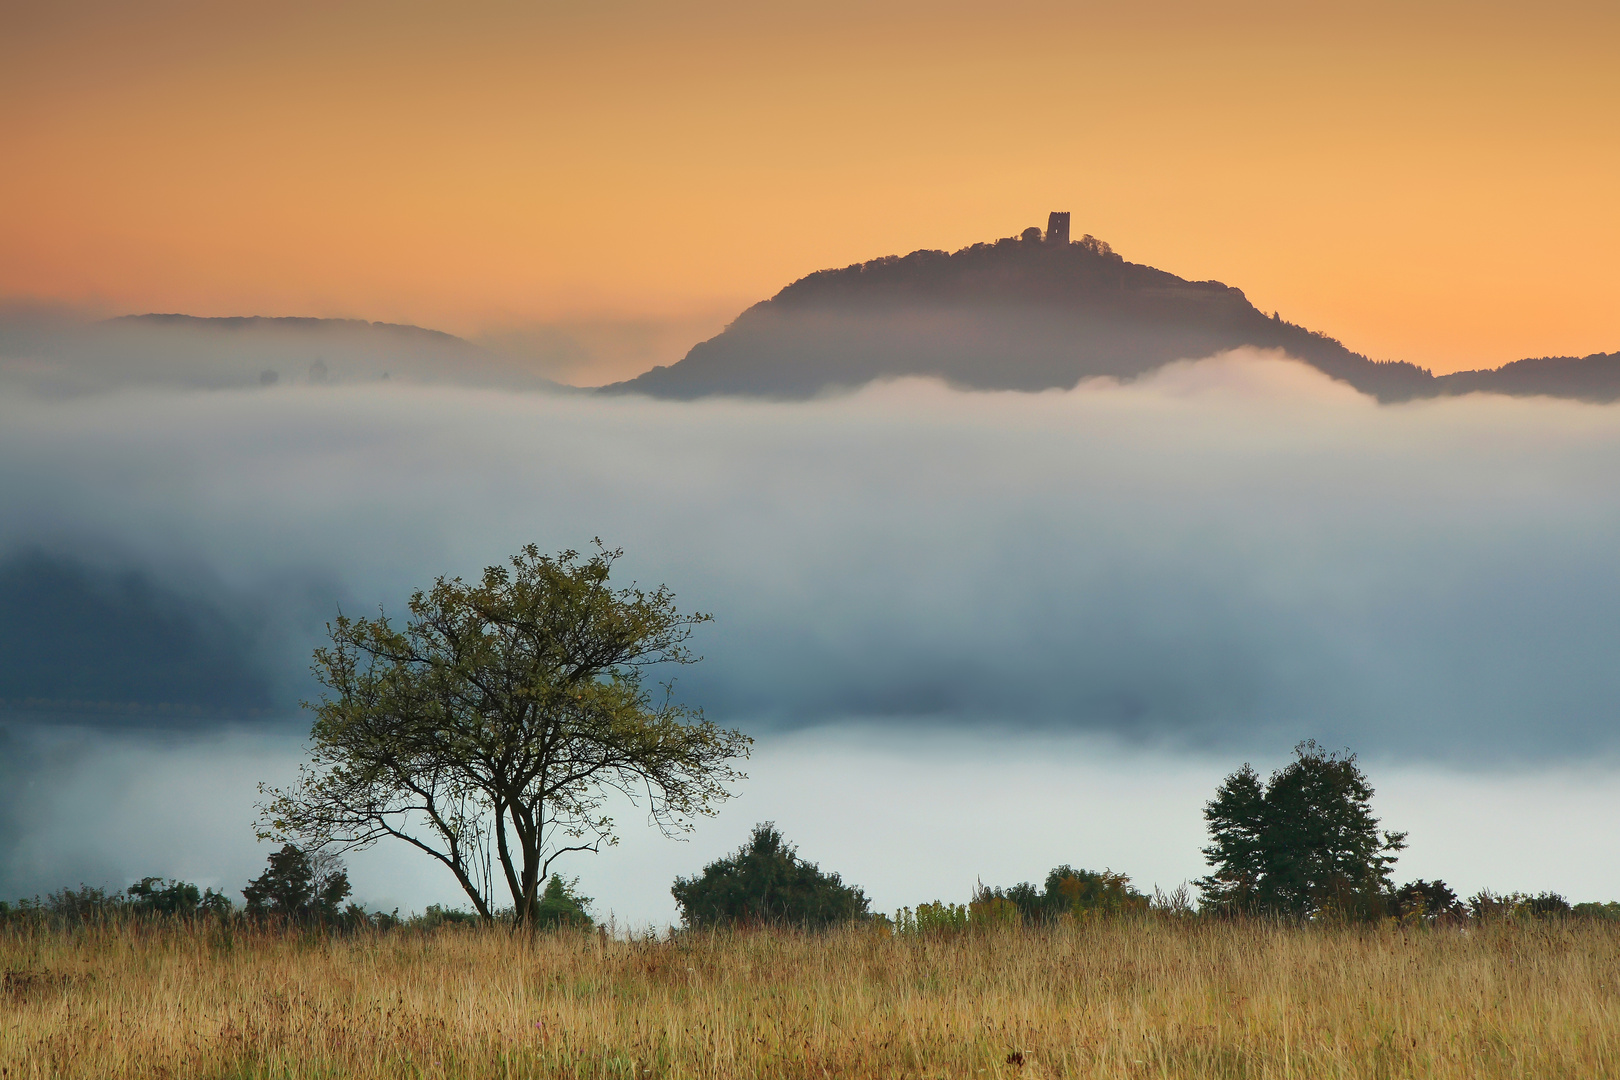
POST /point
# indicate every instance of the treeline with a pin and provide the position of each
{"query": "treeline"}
(1302, 845)
(766, 883)
(297, 888)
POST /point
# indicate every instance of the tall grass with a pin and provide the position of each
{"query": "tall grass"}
(1104, 998)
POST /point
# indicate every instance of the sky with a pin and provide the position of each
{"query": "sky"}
(1430, 182)
(973, 634)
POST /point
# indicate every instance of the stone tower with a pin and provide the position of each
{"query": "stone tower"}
(1057, 227)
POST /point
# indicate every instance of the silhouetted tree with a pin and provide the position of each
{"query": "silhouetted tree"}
(491, 730)
(298, 887)
(767, 882)
(1426, 900)
(1303, 843)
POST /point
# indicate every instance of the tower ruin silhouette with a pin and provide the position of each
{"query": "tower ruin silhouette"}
(1057, 227)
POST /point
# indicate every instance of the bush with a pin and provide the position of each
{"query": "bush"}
(436, 916)
(766, 882)
(1077, 893)
(154, 896)
(1547, 905)
(932, 918)
(1425, 900)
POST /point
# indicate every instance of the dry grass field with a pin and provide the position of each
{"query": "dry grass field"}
(1122, 998)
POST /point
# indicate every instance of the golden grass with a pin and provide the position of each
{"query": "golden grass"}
(1109, 999)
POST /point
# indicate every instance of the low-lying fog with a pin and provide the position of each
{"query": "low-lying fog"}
(975, 635)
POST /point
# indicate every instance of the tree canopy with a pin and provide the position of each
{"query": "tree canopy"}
(298, 886)
(1303, 843)
(490, 730)
(767, 882)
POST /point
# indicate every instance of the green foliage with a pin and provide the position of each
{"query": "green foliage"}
(1609, 912)
(436, 916)
(766, 882)
(1305, 843)
(155, 896)
(150, 897)
(87, 904)
(299, 888)
(1067, 891)
(933, 918)
(562, 906)
(1486, 905)
(492, 729)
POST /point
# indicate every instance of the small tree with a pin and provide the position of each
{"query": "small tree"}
(489, 732)
(561, 905)
(767, 882)
(298, 887)
(1305, 842)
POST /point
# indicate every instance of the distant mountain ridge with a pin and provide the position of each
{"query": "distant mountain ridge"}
(305, 323)
(68, 356)
(1031, 313)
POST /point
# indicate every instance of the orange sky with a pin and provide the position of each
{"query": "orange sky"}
(1435, 183)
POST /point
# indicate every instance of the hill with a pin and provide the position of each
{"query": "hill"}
(1587, 378)
(66, 356)
(1033, 312)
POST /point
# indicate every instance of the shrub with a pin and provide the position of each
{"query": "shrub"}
(1425, 900)
(154, 896)
(1067, 891)
(766, 882)
(932, 918)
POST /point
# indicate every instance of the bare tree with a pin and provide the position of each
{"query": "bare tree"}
(492, 729)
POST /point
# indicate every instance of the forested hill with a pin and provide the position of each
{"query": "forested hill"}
(1024, 313)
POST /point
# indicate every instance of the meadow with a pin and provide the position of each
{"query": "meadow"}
(1126, 997)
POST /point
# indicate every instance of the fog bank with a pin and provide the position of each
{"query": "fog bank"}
(1196, 568)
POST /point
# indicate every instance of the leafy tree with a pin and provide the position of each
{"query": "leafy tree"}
(767, 882)
(489, 732)
(1303, 843)
(299, 887)
(154, 896)
(561, 905)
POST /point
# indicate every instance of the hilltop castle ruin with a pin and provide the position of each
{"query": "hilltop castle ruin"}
(1057, 227)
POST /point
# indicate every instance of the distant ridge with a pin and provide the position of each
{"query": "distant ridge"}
(293, 323)
(234, 352)
(1029, 313)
